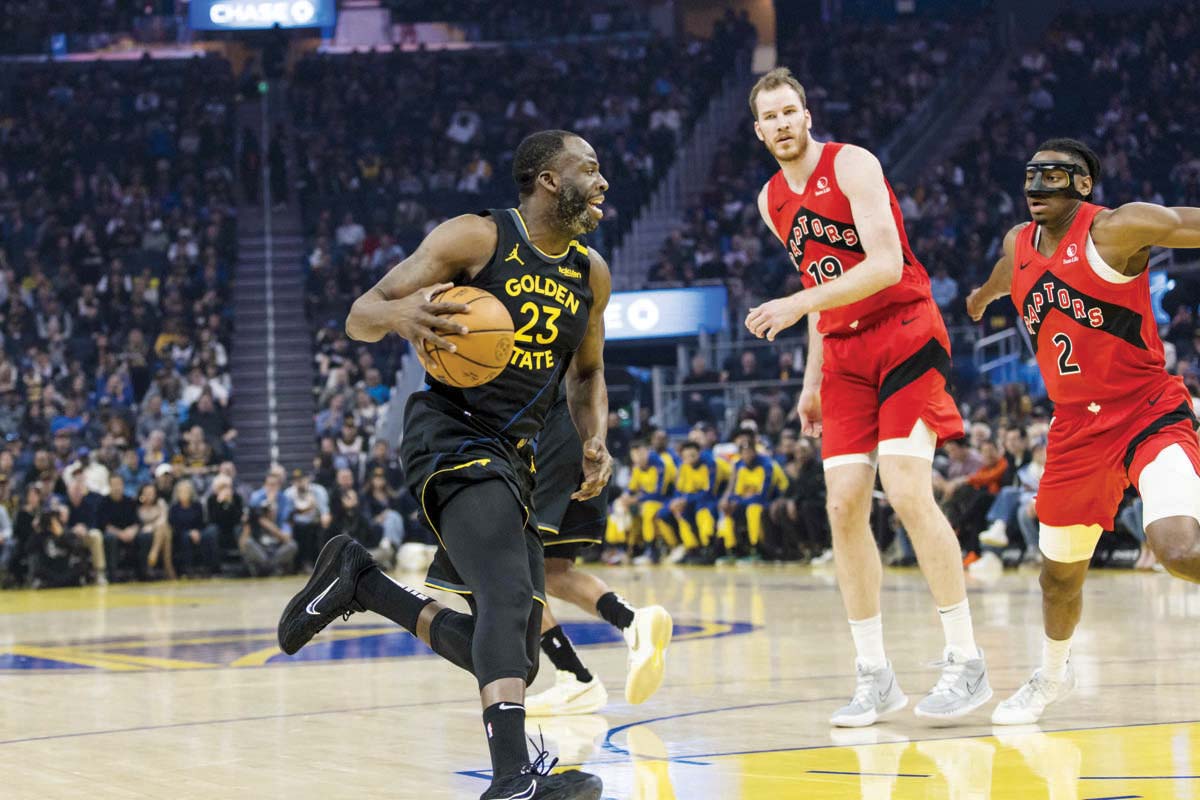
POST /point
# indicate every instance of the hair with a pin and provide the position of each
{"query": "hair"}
(1064, 144)
(535, 154)
(753, 434)
(181, 487)
(689, 445)
(780, 76)
(641, 441)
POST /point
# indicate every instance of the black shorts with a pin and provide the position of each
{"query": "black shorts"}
(444, 450)
(567, 526)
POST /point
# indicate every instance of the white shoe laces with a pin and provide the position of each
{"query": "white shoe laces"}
(862, 689)
(1039, 684)
(951, 672)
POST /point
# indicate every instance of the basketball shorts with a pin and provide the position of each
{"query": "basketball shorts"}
(879, 382)
(445, 451)
(567, 526)
(1095, 452)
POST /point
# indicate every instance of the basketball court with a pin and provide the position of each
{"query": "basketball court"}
(156, 690)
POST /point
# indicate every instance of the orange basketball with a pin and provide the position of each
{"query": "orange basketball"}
(482, 353)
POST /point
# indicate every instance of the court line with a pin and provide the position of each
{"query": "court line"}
(1118, 797)
(866, 774)
(203, 722)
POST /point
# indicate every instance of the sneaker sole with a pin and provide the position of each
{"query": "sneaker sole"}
(864, 720)
(331, 552)
(961, 712)
(645, 677)
(589, 789)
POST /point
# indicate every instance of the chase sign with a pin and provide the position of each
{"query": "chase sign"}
(257, 14)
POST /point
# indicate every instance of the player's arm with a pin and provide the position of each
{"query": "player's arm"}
(587, 396)
(1135, 227)
(861, 179)
(999, 283)
(402, 300)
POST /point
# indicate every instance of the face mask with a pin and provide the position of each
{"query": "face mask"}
(1052, 178)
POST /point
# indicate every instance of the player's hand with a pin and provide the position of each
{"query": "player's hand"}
(976, 304)
(809, 409)
(419, 319)
(773, 317)
(678, 505)
(597, 469)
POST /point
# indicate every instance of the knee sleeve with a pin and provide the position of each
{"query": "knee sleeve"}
(1169, 487)
(492, 556)
(1069, 544)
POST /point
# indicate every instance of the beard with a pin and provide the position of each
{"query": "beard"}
(572, 212)
(789, 151)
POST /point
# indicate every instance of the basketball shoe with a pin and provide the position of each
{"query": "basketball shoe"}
(876, 694)
(536, 782)
(568, 695)
(962, 688)
(1029, 703)
(329, 593)
(648, 638)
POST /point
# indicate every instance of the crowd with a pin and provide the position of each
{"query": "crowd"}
(491, 21)
(117, 244)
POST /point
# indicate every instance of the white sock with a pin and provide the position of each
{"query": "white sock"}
(1054, 657)
(956, 624)
(868, 641)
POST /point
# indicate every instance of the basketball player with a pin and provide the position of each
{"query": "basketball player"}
(567, 527)
(878, 359)
(1081, 287)
(467, 452)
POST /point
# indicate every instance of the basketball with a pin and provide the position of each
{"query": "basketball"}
(482, 352)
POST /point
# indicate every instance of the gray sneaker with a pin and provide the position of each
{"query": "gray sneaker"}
(877, 693)
(962, 688)
(1030, 701)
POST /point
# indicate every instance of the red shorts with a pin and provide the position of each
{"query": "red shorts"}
(878, 382)
(1093, 456)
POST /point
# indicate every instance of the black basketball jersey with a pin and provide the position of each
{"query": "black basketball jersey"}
(549, 297)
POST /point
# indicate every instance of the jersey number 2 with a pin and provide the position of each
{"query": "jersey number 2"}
(1065, 365)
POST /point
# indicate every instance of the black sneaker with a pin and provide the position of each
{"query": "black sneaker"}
(536, 783)
(329, 593)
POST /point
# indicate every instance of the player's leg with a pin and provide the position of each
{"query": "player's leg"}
(1066, 555)
(849, 481)
(576, 689)
(647, 631)
(1170, 490)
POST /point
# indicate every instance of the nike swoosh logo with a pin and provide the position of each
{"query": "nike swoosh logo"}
(779, 207)
(971, 689)
(908, 321)
(527, 794)
(510, 707)
(312, 607)
(884, 694)
(1158, 397)
(1023, 266)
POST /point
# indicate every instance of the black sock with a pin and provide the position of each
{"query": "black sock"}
(450, 636)
(505, 726)
(379, 593)
(615, 610)
(562, 655)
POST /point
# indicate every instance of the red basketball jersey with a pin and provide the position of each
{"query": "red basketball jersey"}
(817, 227)
(1092, 329)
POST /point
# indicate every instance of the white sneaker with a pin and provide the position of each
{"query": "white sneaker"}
(824, 558)
(1029, 703)
(568, 695)
(648, 638)
(962, 688)
(996, 535)
(876, 694)
(677, 554)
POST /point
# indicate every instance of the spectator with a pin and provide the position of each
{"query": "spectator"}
(310, 516)
(266, 543)
(56, 557)
(152, 513)
(123, 536)
(195, 544)
(350, 520)
(226, 516)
